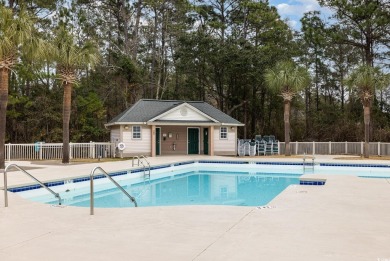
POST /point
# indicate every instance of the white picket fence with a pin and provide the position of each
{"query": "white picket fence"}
(336, 148)
(50, 151)
(322, 148)
(93, 150)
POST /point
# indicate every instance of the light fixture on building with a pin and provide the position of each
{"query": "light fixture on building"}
(126, 127)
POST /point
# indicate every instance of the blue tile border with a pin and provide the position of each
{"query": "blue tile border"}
(24, 188)
(86, 178)
(223, 162)
(160, 167)
(312, 182)
(280, 163)
(183, 163)
(354, 165)
(55, 183)
(138, 170)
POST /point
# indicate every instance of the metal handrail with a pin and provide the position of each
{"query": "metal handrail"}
(132, 163)
(304, 162)
(57, 195)
(143, 157)
(132, 199)
(140, 161)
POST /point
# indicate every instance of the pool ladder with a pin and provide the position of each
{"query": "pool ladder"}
(132, 199)
(140, 160)
(31, 176)
(307, 165)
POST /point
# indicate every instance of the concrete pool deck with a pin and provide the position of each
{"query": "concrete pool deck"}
(347, 219)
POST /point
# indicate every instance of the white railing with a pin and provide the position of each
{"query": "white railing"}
(331, 148)
(337, 148)
(50, 151)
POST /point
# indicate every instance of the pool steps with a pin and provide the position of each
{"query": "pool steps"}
(132, 199)
(57, 195)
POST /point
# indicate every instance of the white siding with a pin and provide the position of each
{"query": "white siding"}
(190, 115)
(115, 135)
(225, 146)
(138, 146)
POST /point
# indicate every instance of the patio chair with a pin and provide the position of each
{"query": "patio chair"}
(260, 147)
(247, 147)
(240, 148)
(258, 138)
(275, 147)
(268, 148)
(252, 149)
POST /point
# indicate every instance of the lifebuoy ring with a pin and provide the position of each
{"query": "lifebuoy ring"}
(121, 146)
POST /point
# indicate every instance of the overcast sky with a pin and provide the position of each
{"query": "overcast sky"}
(293, 10)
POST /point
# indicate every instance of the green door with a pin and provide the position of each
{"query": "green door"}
(206, 141)
(158, 131)
(193, 141)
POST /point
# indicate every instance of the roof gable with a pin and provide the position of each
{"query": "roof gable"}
(145, 111)
(184, 112)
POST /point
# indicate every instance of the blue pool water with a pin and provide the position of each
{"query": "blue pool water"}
(196, 188)
(194, 183)
(186, 187)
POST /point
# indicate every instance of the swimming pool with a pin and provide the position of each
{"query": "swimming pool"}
(186, 186)
(195, 183)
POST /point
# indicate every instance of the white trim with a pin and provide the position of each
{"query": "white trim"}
(198, 139)
(140, 132)
(124, 123)
(232, 124)
(179, 107)
(174, 123)
(220, 133)
(183, 123)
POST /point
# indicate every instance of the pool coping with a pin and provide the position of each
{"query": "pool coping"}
(332, 222)
(138, 169)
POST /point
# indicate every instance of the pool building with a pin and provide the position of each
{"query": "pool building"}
(171, 127)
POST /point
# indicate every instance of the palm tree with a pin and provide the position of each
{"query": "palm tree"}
(69, 58)
(288, 79)
(365, 79)
(17, 38)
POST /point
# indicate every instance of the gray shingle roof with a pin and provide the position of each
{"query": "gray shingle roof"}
(145, 110)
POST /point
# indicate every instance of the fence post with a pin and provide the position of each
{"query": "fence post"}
(330, 148)
(40, 150)
(346, 147)
(70, 150)
(9, 151)
(92, 149)
(278, 147)
(361, 148)
(379, 148)
(296, 148)
(314, 148)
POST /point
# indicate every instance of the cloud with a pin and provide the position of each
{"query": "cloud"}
(293, 23)
(293, 10)
(297, 9)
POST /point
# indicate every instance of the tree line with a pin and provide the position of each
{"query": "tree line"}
(216, 51)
